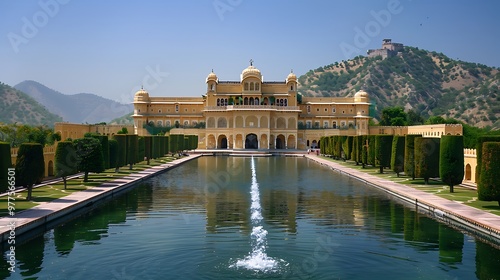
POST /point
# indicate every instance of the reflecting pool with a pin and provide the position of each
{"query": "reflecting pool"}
(260, 218)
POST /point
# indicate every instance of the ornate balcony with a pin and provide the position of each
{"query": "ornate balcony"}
(251, 108)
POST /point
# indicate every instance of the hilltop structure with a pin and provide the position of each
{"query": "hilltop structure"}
(389, 49)
(254, 114)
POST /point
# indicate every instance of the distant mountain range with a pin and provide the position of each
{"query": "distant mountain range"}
(429, 83)
(18, 107)
(76, 108)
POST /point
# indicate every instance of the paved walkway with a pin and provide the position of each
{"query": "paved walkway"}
(443, 209)
(46, 212)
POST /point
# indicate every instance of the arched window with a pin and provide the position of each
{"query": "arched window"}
(256, 101)
(167, 123)
(225, 101)
(251, 86)
(257, 86)
(159, 123)
(291, 87)
(251, 98)
(218, 101)
(246, 86)
(245, 101)
(286, 102)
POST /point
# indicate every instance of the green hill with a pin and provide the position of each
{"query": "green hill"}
(430, 83)
(16, 106)
(126, 119)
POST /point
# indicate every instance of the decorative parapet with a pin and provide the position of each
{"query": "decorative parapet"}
(46, 150)
(470, 153)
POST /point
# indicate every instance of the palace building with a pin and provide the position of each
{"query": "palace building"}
(253, 114)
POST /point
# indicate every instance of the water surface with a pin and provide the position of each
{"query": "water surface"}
(212, 217)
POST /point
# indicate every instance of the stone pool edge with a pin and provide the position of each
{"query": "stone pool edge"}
(465, 217)
(43, 214)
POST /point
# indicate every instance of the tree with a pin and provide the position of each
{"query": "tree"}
(141, 152)
(364, 151)
(383, 149)
(5, 164)
(371, 150)
(148, 145)
(413, 118)
(398, 154)
(394, 116)
(89, 156)
(409, 165)
(132, 149)
(105, 148)
(30, 166)
(113, 153)
(427, 158)
(451, 160)
(121, 159)
(65, 160)
(124, 130)
(479, 152)
(488, 187)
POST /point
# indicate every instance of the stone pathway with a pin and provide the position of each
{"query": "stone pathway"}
(46, 212)
(486, 223)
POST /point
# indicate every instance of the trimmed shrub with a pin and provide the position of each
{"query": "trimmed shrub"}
(371, 150)
(30, 166)
(121, 157)
(65, 160)
(427, 158)
(409, 165)
(350, 147)
(451, 160)
(132, 149)
(488, 187)
(176, 143)
(479, 152)
(156, 146)
(383, 150)
(5, 164)
(141, 149)
(148, 148)
(364, 150)
(398, 154)
(113, 153)
(105, 149)
(89, 156)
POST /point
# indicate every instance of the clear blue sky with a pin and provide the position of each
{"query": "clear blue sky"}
(111, 47)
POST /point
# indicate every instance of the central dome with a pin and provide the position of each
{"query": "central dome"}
(251, 71)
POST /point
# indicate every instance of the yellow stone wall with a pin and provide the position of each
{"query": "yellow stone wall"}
(75, 131)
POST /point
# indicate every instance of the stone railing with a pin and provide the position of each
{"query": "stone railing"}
(246, 107)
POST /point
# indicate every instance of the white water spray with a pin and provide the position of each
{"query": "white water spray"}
(258, 259)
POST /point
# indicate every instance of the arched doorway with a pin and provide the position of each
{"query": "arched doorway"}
(280, 142)
(251, 141)
(314, 144)
(222, 142)
(468, 172)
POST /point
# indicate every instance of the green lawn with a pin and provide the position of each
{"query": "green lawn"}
(462, 195)
(53, 191)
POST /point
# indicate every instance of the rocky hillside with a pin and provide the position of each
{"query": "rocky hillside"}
(16, 106)
(76, 108)
(430, 83)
